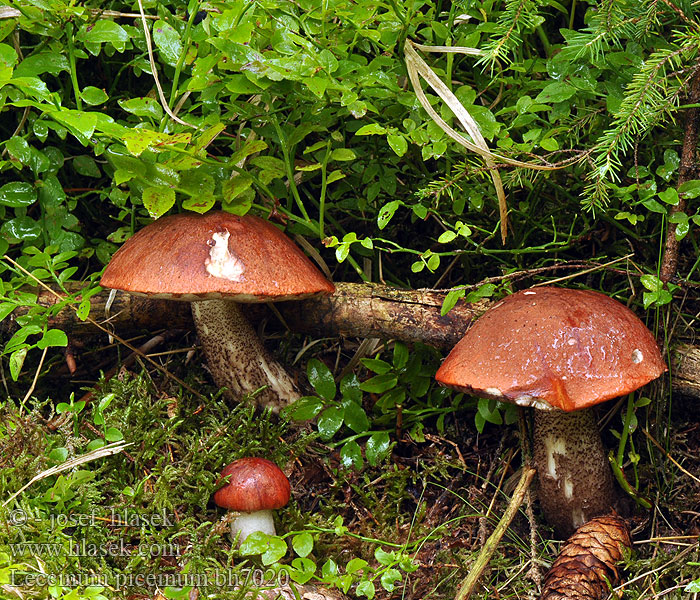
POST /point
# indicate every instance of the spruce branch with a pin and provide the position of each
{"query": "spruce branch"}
(517, 18)
(651, 95)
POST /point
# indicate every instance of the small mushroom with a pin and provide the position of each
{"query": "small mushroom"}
(560, 351)
(218, 261)
(255, 488)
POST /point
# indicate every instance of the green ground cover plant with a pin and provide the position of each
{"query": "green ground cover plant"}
(116, 113)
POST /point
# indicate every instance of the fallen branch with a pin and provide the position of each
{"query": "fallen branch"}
(361, 310)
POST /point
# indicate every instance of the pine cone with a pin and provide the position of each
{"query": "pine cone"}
(586, 566)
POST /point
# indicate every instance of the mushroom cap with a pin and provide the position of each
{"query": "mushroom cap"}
(254, 484)
(553, 347)
(197, 257)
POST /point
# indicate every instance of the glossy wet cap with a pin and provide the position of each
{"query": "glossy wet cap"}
(190, 256)
(253, 484)
(554, 348)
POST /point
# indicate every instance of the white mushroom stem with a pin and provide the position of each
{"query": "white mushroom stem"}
(236, 357)
(248, 522)
(575, 479)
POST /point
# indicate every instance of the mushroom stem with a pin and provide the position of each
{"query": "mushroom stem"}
(575, 480)
(249, 522)
(236, 357)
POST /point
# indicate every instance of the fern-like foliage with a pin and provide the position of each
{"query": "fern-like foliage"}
(518, 18)
(651, 96)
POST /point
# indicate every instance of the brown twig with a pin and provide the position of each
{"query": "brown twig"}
(688, 171)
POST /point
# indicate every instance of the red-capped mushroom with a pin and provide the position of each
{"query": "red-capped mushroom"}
(216, 261)
(255, 487)
(560, 351)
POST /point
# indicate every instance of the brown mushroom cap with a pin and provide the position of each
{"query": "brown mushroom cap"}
(254, 484)
(554, 348)
(190, 256)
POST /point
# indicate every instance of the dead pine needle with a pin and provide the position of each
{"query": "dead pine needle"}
(467, 588)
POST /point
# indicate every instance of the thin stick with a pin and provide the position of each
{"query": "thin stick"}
(468, 585)
(36, 376)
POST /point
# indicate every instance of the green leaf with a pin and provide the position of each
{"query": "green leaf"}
(557, 91)
(276, 550)
(93, 95)
(8, 56)
(690, 189)
(451, 299)
(58, 455)
(377, 447)
(351, 455)
(104, 31)
(306, 408)
(355, 564)
(386, 213)
(330, 422)
(16, 361)
(80, 124)
(669, 196)
(390, 578)
(168, 42)
(398, 143)
(199, 204)
(113, 434)
(85, 165)
(20, 229)
(383, 557)
(303, 544)
(43, 62)
(53, 337)
(400, 355)
(235, 186)
(17, 194)
(446, 237)
(158, 200)
(365, 588)
(652, 283)
(343, 154)
(371, 129)
(376, 365)
(355, 417)
(143, 107)
(488, 409)
(654, 206)
(380, 383)
(349, 388)
(321, 379)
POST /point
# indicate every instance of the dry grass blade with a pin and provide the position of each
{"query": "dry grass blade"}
(417, 67)
(108, 450)
(586, 566)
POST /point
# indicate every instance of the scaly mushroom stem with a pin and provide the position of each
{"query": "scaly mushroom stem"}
(575, 480)
(236, 357)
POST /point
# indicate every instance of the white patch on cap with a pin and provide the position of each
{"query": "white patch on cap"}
(221, 262)
(493, 392)
(637, 356)
(571, 341)
(529, 293)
